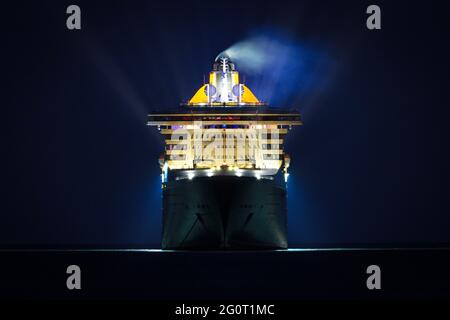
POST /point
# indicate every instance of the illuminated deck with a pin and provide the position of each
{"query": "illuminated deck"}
(247, 137)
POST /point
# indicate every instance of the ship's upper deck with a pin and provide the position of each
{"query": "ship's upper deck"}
(226, 115)
(225, 100)
(222, 126)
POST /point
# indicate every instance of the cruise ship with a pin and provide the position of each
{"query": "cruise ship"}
(224, 170)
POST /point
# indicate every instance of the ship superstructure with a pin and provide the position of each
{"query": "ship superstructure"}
(224, 170)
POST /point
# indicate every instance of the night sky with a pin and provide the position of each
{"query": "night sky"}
(370, 166)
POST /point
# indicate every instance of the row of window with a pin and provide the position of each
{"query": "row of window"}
(264, 146)
(181, 157)
(183, 136)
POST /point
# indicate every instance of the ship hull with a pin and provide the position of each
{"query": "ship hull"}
(224, 212)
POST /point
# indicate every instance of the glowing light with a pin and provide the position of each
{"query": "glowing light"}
(165, 169)
(258, 176)
(190, 175)
(286, 176)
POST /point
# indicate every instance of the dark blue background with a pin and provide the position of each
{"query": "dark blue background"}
(79, 166)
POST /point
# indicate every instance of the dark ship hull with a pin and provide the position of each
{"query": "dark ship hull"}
(225, 212)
